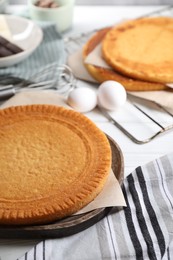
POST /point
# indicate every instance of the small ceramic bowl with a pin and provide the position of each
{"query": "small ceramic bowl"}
(22, 31)
(62, 15)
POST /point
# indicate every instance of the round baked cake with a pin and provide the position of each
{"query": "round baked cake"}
(142, 49)
(53, 162)
(102, 74)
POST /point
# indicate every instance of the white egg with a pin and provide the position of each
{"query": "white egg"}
(111, 95)
(82, 99)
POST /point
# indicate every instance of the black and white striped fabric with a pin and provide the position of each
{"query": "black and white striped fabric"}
(143, 230)
(51, 50)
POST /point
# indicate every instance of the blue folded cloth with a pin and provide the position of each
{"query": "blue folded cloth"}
(143, 230)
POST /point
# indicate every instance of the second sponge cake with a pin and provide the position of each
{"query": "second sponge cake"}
(142, 49)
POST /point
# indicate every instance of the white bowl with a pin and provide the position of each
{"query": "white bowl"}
(62, 16)
(26, 34)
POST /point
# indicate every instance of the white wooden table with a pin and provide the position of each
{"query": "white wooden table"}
(87, 18)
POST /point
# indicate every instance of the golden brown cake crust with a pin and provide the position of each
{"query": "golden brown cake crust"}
(53, 162)
(103, 74)
(142, 49)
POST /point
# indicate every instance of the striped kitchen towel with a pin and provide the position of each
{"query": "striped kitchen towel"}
(143, 230)
(51, 50)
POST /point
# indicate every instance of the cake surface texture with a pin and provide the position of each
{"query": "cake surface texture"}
(102, 74)
(53, 162)
(142, 49)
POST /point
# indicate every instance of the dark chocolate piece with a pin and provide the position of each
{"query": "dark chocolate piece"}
(14, 48)
(4, 52)
(3, 41)
(8, 48)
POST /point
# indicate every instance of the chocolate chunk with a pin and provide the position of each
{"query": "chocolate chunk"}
(3, 41)
(14, 48)
(4, 52)
(8, 48)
